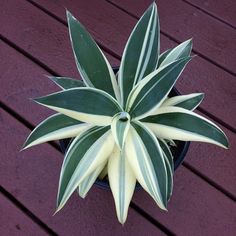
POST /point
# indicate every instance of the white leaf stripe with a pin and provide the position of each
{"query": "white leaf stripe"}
(189, 102)
(120, 128)
(141, 52)
(181, 51)
(55, 127)
(66, 83)
(122, 182)
(154, 152)
(143, 167)
(83, 156)
(180, 124)
(162, 57)
(168, 153)
(153, 89)
(88, 182)
(113, 79)
(85, 49)
(79, 103)
(169, 166)
(147, 45)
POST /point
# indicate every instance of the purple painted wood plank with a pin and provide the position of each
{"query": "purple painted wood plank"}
(222, 10)
(212, 38)
(14, 222)
(40, 35)
(17, 100)
(32, 177)
(199, 76)
(195, 208)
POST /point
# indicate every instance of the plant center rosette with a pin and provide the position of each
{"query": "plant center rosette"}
(123, 123)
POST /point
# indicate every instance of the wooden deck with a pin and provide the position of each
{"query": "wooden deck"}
(34, 42)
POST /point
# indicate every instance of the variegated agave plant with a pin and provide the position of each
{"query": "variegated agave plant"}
(123, 126)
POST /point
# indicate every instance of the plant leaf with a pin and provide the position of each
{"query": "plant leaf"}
(181, 51)
(85, 154)
(120, 128)
(88, 182)
(180, 124)
(146, 159)
(85, 104)
(55, 127)
(189, 102)
(66, 83)
(122, 182)
(149, 94)
(141, 52)
(163, 56)
(99, 73)
(169, 166)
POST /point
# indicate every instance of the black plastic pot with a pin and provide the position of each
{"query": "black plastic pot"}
(178, 152)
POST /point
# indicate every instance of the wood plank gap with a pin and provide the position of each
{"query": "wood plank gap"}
(27, 212)
(103, 47)
(23, 121)
(218, 120)
(209, 181)
(28, 55)
(209, 14)
(176, 40)
(151, 219)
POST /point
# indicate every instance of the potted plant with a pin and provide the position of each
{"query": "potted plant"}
(124, 122)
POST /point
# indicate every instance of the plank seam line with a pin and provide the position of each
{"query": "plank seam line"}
(218, 120)
(152, 220)
(103, 47)
(23, 121)
(209, 181)
(177, 41)
(28, 55)
(26, 211)
(210, 14)
(56, 146)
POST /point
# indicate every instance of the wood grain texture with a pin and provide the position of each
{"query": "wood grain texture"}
(14, 222)
(182, 21)
(32, 177)
(222, 10)
(114, 29)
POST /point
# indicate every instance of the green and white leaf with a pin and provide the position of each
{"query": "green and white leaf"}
(88, 182)
(146, 159)
(189, 102)
(162, 57)
(180, 124)
(120, 127)
(122, 182)
(150, 92)
(66, 83)
(93, 66)
(89, 105)
(169, 166)
(141, 52)
(85, 154)
(181, 51)
(55, 127)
